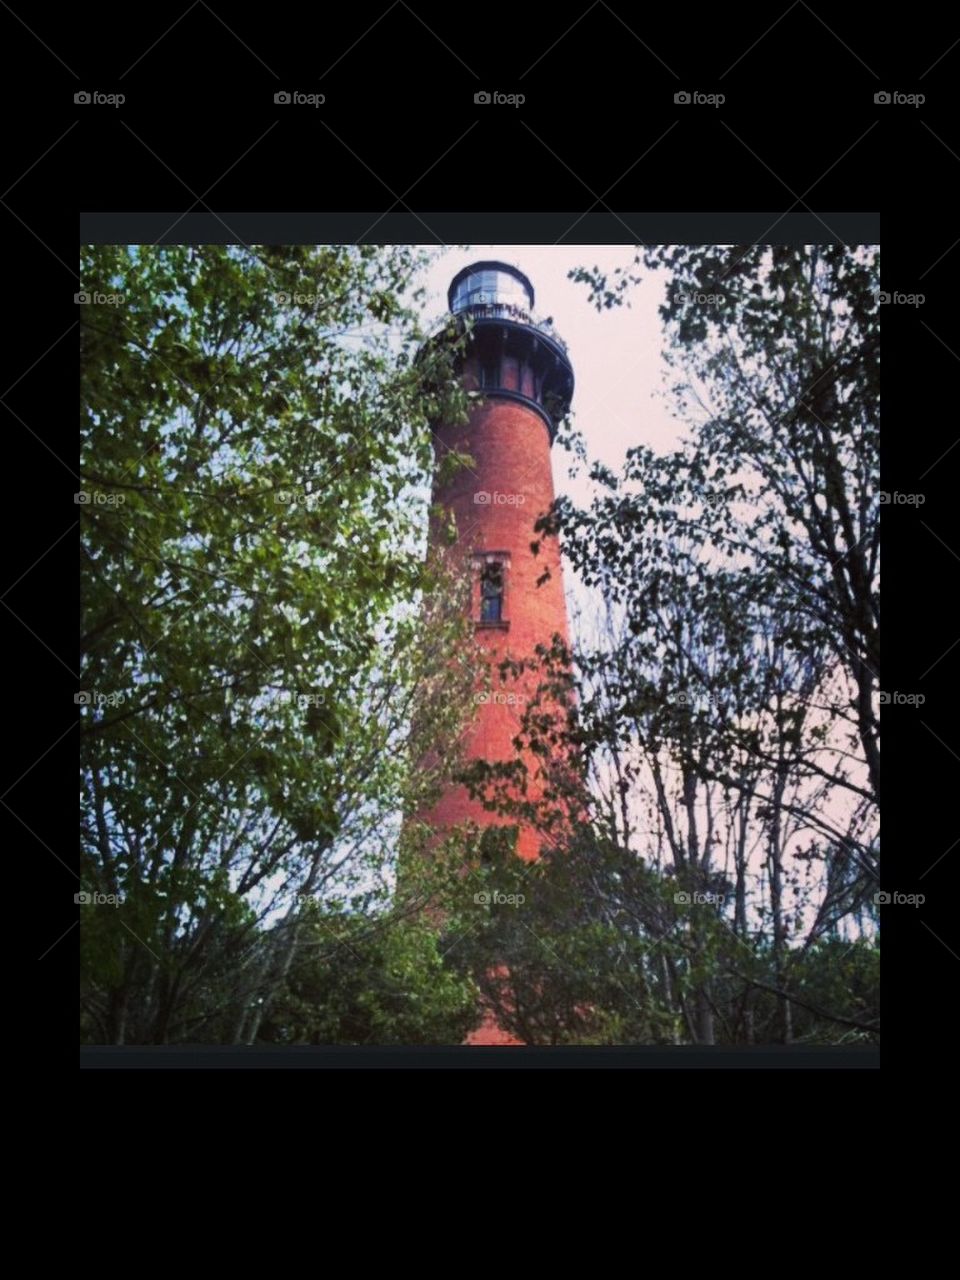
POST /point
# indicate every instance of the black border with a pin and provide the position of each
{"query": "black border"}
(458, 227)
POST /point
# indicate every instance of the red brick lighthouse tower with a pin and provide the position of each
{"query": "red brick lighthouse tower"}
(521, 374)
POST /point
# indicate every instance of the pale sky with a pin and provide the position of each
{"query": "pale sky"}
(616, 354)
(619, 369)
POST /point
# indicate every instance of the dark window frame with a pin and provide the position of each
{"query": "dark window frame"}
(489, 374)
(492, 576)
(494, 614)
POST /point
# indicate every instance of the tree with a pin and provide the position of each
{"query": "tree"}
(255, 459)
(777, 352)
(726, 704)
(356, 980)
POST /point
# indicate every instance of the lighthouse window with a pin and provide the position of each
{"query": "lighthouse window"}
(489, 374)
(491, 593)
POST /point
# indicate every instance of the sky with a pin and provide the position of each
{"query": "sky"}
(618, 364)
(616, 354)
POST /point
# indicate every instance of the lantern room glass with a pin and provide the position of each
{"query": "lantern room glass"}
(482, 288)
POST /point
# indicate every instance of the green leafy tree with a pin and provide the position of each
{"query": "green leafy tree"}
(726, 680)
(256, 459)
(369, 981)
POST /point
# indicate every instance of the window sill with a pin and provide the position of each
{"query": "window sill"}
(502, 625)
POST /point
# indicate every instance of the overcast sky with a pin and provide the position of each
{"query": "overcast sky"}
(620, 377)
(616, 354)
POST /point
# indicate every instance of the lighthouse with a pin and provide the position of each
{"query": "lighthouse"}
(519, 372)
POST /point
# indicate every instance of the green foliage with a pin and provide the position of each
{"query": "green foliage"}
(553, 962)
(726, 683)
(256, 418)
(361, 981)
(599, 951)
(772, 506)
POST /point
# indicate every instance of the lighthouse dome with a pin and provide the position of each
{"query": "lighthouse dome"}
(490, 283)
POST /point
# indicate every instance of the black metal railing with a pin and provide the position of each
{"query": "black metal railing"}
(507, 311)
